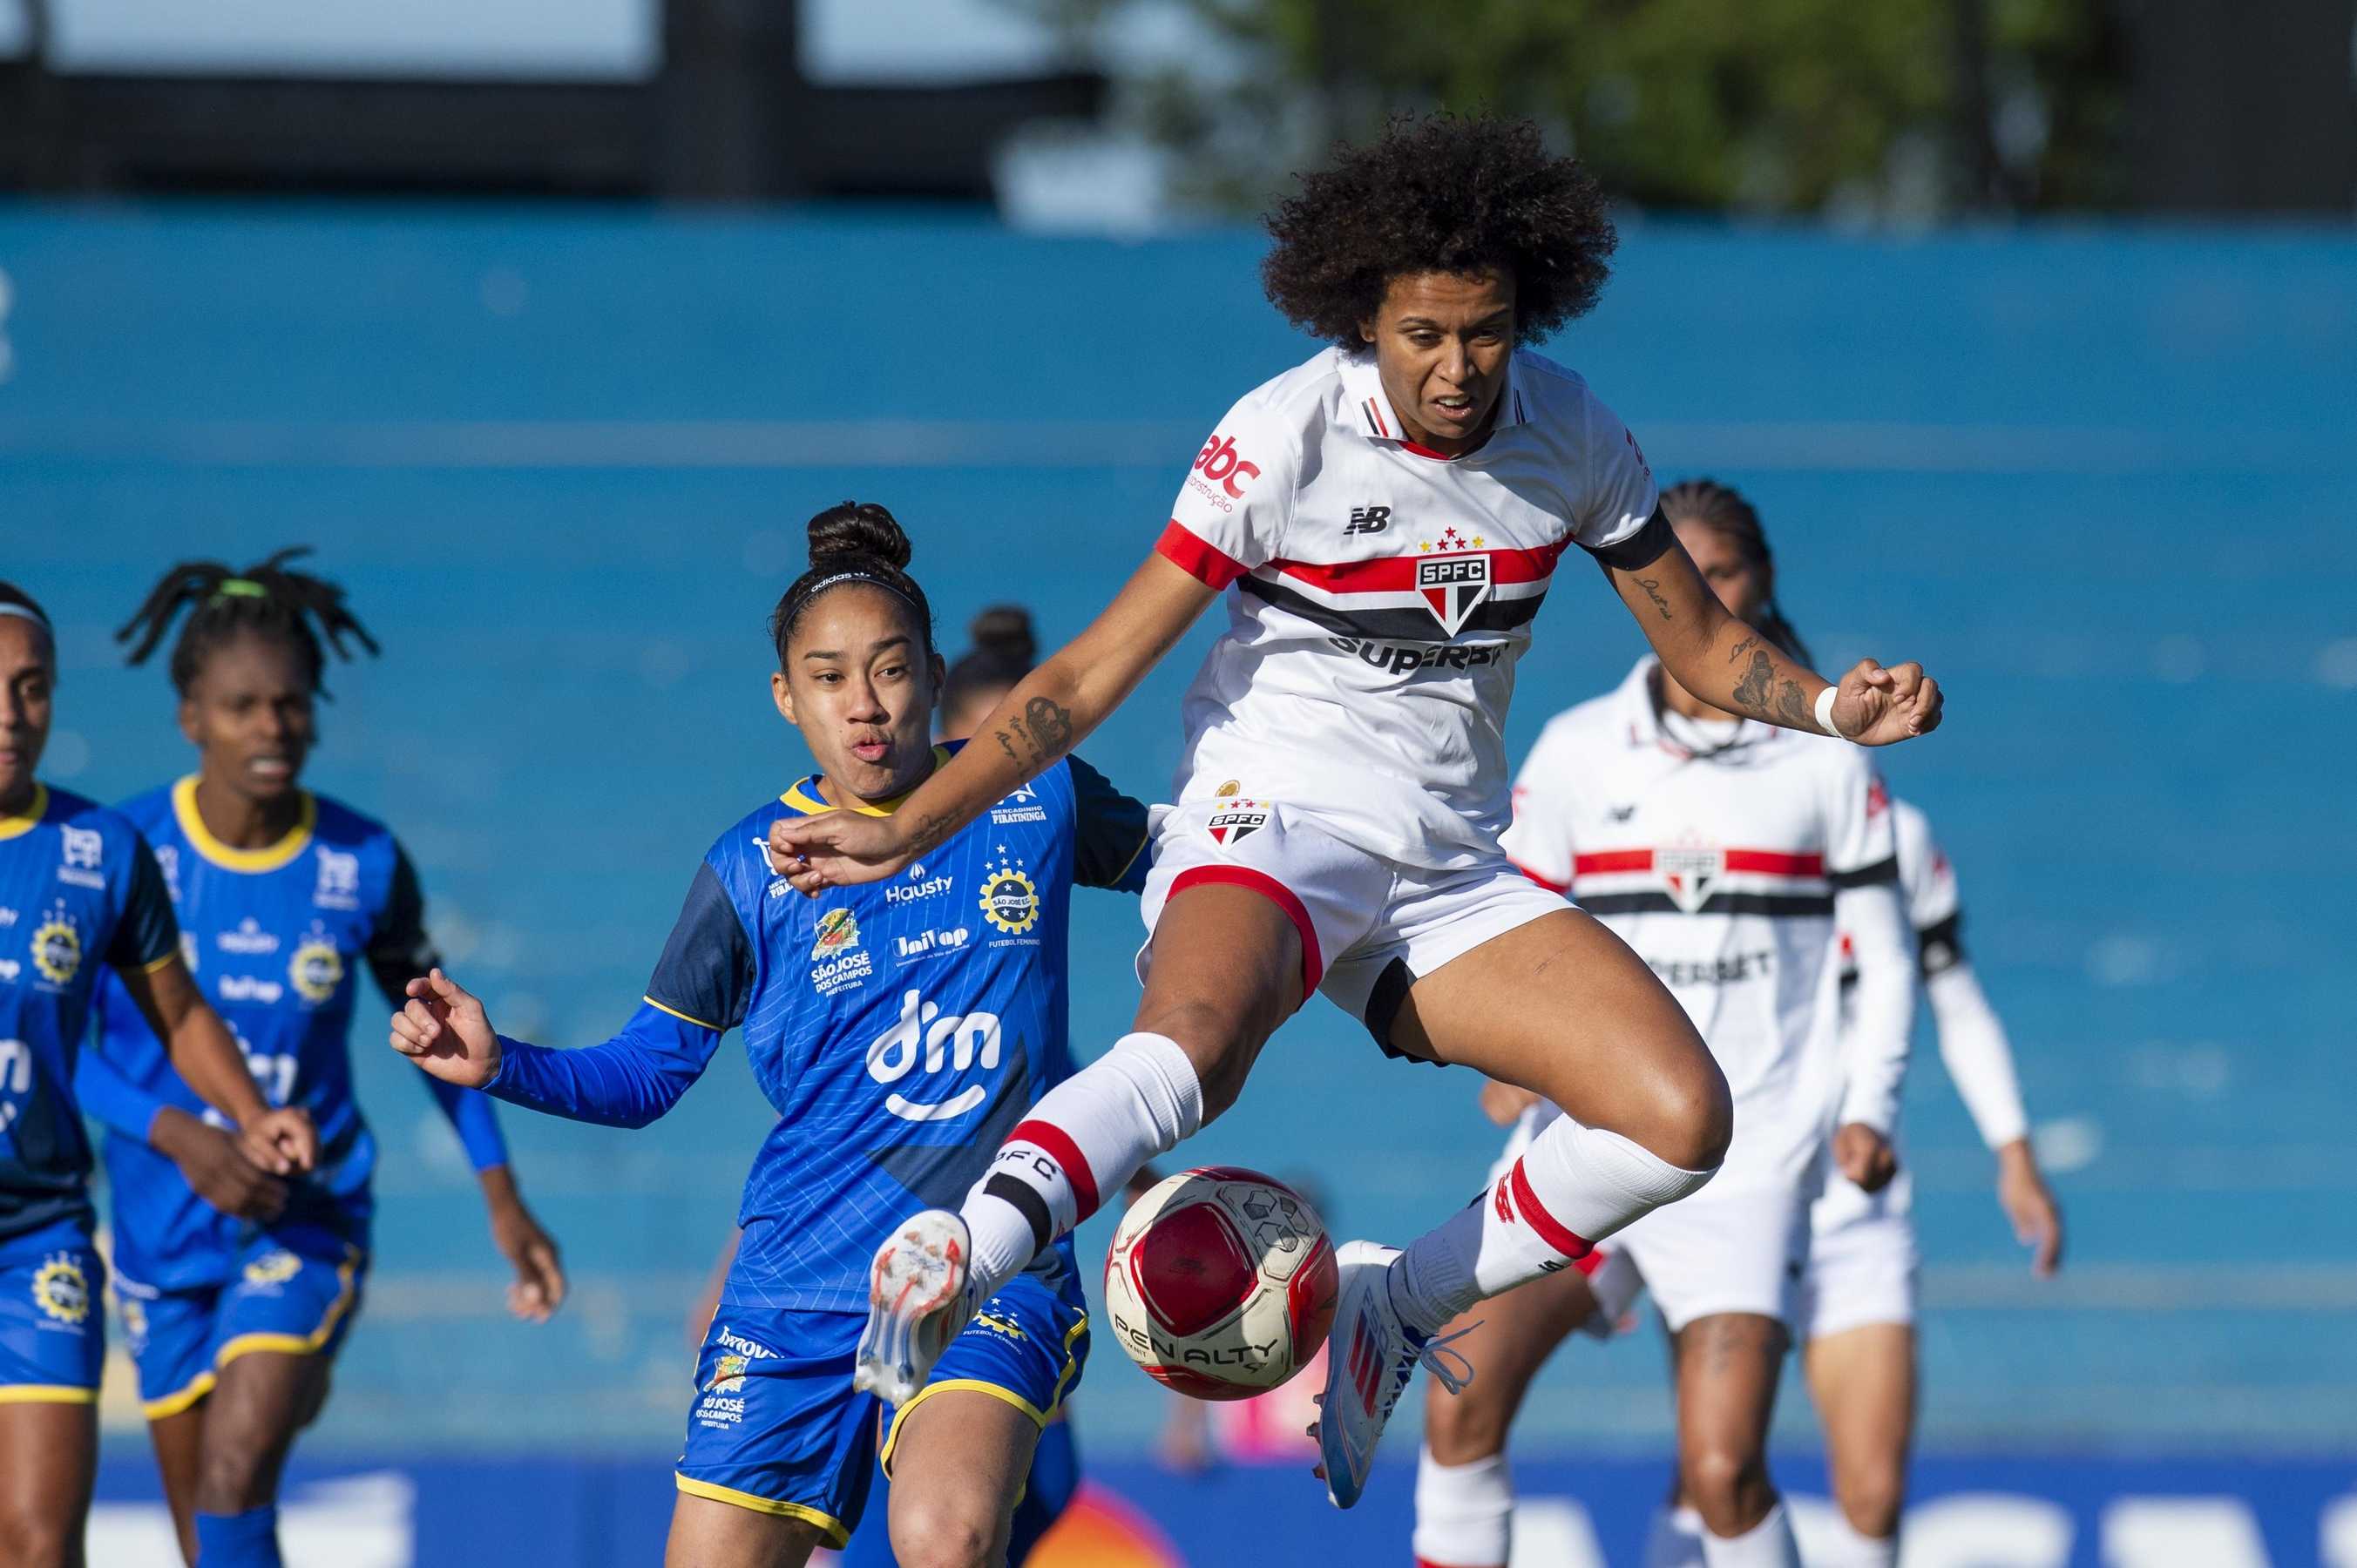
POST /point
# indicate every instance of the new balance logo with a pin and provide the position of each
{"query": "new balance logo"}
(1620, 814)
(1369, 519)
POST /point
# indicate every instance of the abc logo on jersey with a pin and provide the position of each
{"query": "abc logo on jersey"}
(1220, 464)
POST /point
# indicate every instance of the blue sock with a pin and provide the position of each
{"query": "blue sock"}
(248, 1540)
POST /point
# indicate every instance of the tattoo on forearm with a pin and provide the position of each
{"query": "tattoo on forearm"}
(1745, 646)
(1792, 708)
(931, 829)
(1051, 726)
(1653, 586)
(1007, 745)
(1750, 693)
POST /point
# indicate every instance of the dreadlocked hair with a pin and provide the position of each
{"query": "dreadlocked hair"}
(1723, 509)
(854, 543)
(266, 599)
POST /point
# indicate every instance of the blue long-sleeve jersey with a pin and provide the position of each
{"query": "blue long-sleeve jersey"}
(277, 938)
(901, 1027)
(80, 894)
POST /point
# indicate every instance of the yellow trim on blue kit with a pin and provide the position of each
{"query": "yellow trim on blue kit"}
(46, 1394)
(682, 1017)
(810, 805)
(298, 1343)
(997, 1391)
(270, 857)
(836, 1533)
(180, 1399)
(11, 827)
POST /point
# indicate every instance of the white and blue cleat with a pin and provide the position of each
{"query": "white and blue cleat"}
(918, 1301)
(1370, 1357)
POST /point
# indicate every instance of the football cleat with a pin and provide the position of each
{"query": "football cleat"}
(1370, 1356)
(918, 1299)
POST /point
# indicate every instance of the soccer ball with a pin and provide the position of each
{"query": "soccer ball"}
(1221, 1282)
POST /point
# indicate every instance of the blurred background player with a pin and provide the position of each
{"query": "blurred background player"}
(1855, 1315)
(1389, 515)
(898, 1030)
(237, 1292)
(1734, 857)
(82, 895)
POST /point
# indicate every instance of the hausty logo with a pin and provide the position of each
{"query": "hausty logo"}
(1219, 463)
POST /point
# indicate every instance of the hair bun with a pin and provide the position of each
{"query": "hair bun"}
(1004, 631)
(859, 527)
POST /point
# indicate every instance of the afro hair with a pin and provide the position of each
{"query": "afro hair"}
(1439, 193)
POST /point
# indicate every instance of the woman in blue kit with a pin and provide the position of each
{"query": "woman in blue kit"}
(80, 896)
(283, 897)
(899, 1031)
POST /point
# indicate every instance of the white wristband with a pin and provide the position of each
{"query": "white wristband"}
(1825, 713)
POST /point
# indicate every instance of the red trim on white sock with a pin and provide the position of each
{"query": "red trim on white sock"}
(1555, 1234)
(1428, 1563)
(1060, 1148)
(1313, 965)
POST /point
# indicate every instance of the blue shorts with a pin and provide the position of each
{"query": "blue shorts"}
(776, 1426)
(1048, 1491)
(52, 1338)
(296, 1293)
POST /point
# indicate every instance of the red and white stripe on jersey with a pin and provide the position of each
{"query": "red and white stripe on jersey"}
(1702, 879)
(1451, 586)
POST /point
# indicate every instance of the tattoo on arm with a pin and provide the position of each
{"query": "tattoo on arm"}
(1006, 744)
(931, 829)
(1653, 586)
(1051, 727)
(1751, 693)
(1792, 709)
(1745, 646)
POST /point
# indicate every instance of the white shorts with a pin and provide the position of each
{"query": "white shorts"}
(1723, 1249)
(1859, 1273)
(1369, 927)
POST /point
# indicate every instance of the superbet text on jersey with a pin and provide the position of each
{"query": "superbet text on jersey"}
(1383, 592)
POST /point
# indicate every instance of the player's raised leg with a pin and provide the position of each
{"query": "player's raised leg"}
(49, 1458)
(958, 1463)
(1862, 1381)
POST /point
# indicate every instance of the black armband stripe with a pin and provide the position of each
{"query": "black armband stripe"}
(1883, 870)
(1939, 946)
(1640, 548)
(1028, 1203)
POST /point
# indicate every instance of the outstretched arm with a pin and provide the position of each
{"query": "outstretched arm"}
(1054, 708)
(1730, 666)
(281, 1141)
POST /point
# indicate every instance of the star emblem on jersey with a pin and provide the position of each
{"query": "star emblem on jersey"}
(57, 949)
(1236, 819)
(1689, 872)
(1009, 900)
(1452, 578)
(317, 969)
(62, 1290)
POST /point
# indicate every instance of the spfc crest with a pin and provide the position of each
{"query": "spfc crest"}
(1690, 873)
(1453, 586)
(1236, 819)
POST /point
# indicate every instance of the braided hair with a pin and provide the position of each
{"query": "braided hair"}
(266, 599)
(855, 543)
(1004, 650)
(1723, 509)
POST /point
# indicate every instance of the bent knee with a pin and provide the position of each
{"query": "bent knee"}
(1871, 1498)
(1459, 1430)
(1690, 1117)
(1219, 1046)
(1726, 1481)
(229, 1480)
(935, 1533)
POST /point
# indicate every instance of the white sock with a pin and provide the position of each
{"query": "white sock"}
(1840, 1545)
(1675, 1540)
(1085, 1137)
(1464, 1513)
(1573, 1187)
(1767, 1544)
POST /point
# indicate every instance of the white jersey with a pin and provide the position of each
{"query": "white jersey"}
(1973, 1045)
(1382, 594)
(1721, 866)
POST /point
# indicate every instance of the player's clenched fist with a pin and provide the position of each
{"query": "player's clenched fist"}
(1877, 706)
(442, 1029)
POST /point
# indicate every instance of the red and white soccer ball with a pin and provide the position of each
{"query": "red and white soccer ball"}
(1221, 1282)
